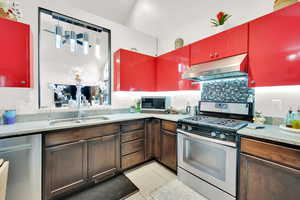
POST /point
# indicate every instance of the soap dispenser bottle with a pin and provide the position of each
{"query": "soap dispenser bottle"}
(296, 120)
(289, 118)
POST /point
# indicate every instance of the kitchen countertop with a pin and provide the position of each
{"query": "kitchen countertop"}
(273, 133)
(31, 127)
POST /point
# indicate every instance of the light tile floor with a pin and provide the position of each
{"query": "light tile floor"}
(154, 180)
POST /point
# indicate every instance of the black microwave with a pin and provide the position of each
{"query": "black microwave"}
(155, 103)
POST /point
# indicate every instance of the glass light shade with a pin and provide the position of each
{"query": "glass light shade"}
(58, 36)
(98, 49)
(86, 43)
(73, 41)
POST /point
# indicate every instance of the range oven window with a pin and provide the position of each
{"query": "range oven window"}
(205, 157)
(153, 103)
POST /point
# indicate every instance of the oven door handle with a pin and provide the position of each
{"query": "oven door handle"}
(198, 137)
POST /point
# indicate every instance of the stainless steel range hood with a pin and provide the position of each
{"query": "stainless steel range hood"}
(235, 66)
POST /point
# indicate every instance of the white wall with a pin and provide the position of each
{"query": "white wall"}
(179, 99)
(26, 100)
(190, 20)
(275, 101)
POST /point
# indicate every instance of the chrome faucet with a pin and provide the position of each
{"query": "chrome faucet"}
(78, 102)
(78, 96)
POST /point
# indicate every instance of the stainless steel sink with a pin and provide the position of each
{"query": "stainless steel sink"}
(77, 121)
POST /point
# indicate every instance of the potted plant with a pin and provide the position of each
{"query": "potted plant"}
(220, 20)
(278, 4)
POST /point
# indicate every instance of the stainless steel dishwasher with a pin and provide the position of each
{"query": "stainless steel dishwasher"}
(25, 167)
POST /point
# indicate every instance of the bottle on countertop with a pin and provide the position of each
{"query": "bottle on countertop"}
(296, 119)
(259, 118)
(289, 118)
(188, 108)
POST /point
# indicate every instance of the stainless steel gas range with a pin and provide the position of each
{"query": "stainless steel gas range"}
(207, 148)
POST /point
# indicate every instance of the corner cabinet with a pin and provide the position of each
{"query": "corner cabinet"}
(225, 44)
(15, 57)
(169, 69)
(268, 171)
(274, 57)
(133, 71)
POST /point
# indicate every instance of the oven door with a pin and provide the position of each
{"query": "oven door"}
(211, 160)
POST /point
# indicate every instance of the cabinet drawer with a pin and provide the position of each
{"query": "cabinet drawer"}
(273, 152)
(132, 125)
(132, 159)
(77, 134)
(126, 137)
(169, 126)
(133, 146)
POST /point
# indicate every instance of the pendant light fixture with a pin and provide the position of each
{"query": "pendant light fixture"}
(86, 43)
(73, 40)
(98, 49)
(58, 36)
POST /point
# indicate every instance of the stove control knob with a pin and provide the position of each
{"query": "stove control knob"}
(222, 136)
(190, 128)
(213, 134)
(183, 127)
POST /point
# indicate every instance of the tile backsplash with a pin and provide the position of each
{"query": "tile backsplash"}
(227, 91)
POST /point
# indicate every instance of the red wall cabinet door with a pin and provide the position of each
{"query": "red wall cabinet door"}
(15, 69)
(232, 42)
(133, 71)
(202, 51)
(169, 70)
(274, 48)
(228, 43)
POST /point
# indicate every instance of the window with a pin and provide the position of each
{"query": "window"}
(73, 55)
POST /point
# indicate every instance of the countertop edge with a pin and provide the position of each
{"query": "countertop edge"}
(272, 134)
(44, 127)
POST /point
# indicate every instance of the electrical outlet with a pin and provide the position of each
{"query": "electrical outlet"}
(276, 106)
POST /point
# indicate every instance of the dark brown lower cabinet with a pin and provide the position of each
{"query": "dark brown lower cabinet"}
(169, 149)
(133, 159)
(133, 143)
(65, 169)
(149, 139)
(264, 180)
(102, 156)
(75, 158)
(156, 145)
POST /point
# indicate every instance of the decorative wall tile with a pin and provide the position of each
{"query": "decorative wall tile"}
(227, 91)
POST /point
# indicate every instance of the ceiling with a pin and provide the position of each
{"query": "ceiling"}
(114, 10)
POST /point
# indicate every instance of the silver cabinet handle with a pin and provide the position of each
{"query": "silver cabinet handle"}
(12, 149)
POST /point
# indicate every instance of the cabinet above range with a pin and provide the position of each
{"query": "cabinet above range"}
(231, 42)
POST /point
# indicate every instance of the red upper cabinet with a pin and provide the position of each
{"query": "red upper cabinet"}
(274, 48)
(15, 69)
(134, 71)
(228, 43)
(169, 68)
